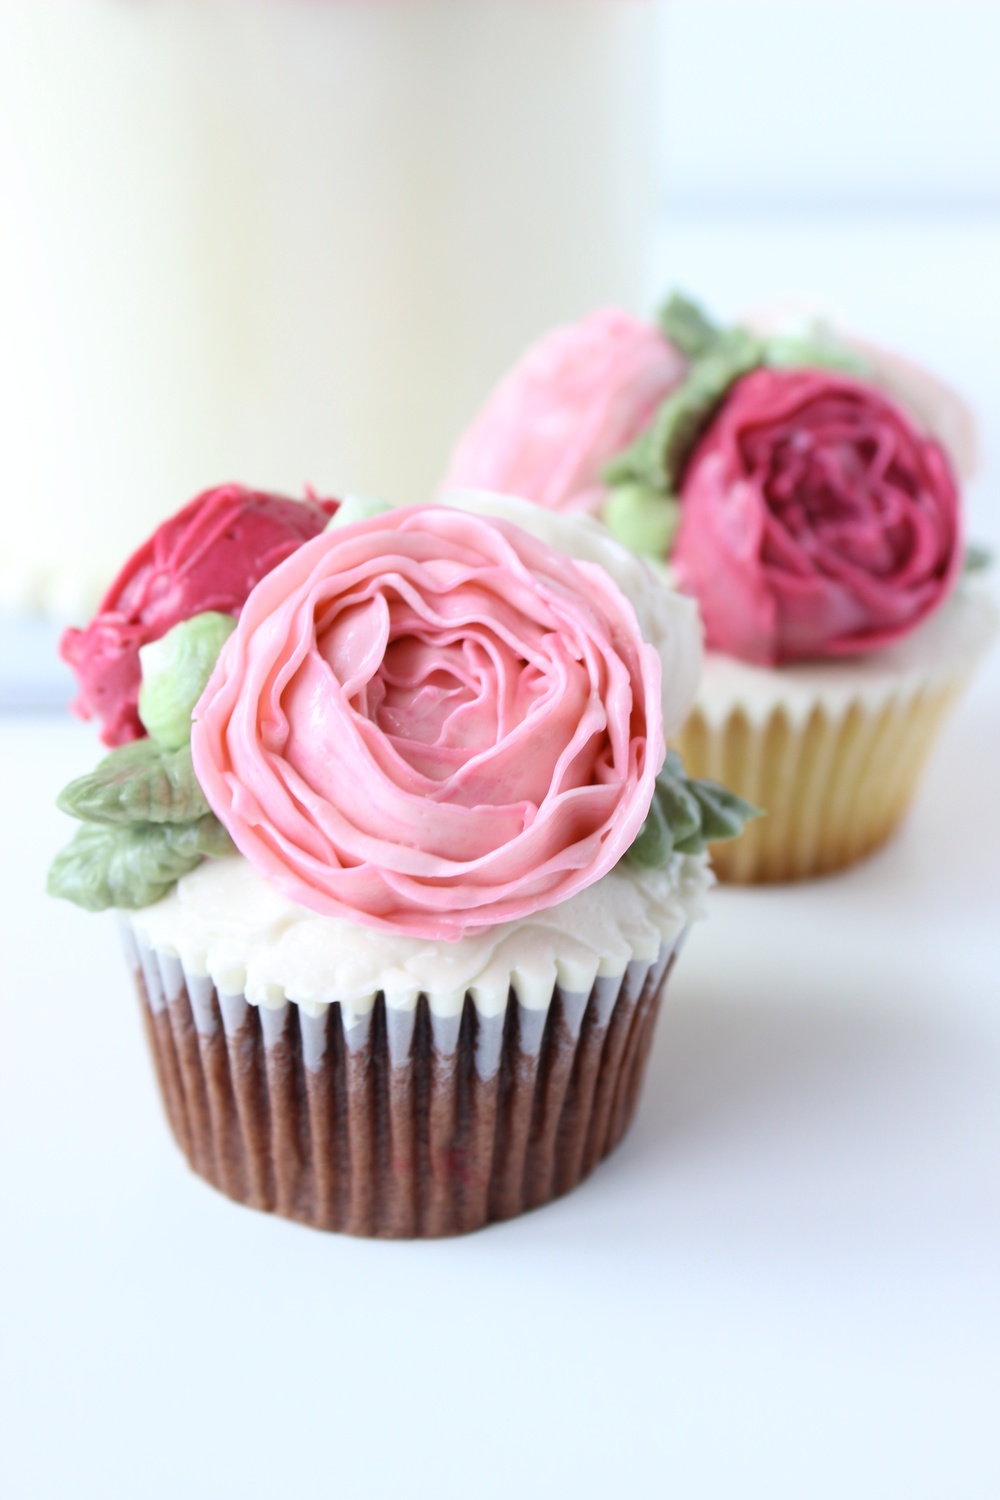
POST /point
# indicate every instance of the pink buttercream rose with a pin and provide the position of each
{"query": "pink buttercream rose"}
(816, 520)
(571, 403)
(430, 722)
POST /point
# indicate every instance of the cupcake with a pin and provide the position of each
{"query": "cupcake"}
(804, 487)
(401, 863)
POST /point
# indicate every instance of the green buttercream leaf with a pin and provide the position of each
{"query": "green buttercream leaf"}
(686, 326)
(679, 805)
(138, 783)
(686, 815)
(175, 671)
(654, 843)
(977, 558)
(642, 519)
(724, 815)
(127, 867)
(212, 840)
(657, 457)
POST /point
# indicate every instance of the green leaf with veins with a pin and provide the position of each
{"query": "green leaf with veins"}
(686, 815)
(134, 866)
(138, 783)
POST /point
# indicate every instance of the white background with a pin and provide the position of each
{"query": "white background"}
(786, 1282)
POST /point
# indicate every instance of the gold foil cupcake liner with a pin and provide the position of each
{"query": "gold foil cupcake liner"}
(397, 1123)
(833, 787)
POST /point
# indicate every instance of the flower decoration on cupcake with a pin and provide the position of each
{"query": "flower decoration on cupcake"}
(812, 515)
(142, 664)
(426, 720)
(801, 481)
(576, 399)
(816, 520)
(431, 722)
(206, 557)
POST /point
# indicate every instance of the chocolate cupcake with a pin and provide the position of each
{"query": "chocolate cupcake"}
(401, 882)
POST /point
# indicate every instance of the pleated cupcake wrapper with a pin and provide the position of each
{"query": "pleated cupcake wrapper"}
(397, 1123)
(833, 786)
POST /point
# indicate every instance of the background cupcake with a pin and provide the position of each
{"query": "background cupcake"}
(421, 994)
(804, 485)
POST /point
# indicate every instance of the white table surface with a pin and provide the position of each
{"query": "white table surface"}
(786, 1283)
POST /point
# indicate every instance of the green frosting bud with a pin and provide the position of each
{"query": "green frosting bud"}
(686, 815)
(355, 508)
(138, 783)
(642, 519)
(175, 670)
(133, 866)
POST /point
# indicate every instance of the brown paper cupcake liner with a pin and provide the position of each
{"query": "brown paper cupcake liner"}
(833, 787)
(397, 1124)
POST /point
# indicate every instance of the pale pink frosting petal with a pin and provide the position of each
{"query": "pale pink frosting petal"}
(569, 405)
(431, 722)
(816, 520)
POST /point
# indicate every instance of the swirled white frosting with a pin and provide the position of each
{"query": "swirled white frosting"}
(943, 649)
(225, 922)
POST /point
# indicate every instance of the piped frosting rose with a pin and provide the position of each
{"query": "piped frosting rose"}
(567, 407)
(205, 558)
(816, 519)
(430, 722)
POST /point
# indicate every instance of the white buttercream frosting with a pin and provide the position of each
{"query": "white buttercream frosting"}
(225, 922)
(941, 650)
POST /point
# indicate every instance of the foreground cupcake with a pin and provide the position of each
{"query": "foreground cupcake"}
(805, 487)
(402, 890)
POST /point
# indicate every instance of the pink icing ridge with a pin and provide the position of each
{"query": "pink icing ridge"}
(430, 722)
(577, 398)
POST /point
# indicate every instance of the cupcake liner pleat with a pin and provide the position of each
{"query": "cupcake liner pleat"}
(833, 788)
(397, 1124)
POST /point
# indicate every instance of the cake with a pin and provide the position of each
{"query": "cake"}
(401, 861)
(804, 486)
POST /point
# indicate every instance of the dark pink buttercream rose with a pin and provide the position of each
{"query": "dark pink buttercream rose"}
(208, 556)
(816, 520)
